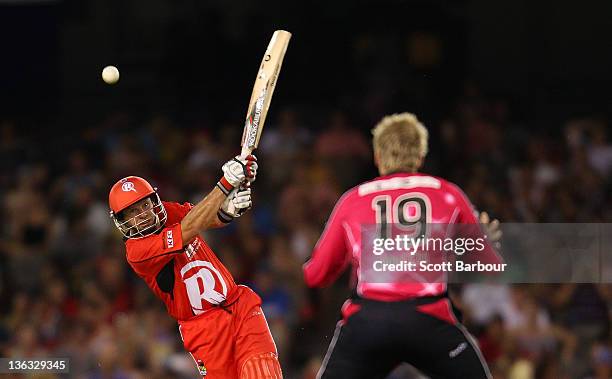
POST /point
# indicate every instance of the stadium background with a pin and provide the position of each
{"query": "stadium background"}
(515, 95)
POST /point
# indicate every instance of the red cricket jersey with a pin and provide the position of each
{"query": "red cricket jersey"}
(186, 275)
(434, 199)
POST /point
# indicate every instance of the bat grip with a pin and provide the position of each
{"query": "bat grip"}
(245, 152)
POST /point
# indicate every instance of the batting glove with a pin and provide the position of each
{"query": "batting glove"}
(236, 172)
(238, 202)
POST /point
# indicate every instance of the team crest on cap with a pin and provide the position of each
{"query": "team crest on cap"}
(128, 186)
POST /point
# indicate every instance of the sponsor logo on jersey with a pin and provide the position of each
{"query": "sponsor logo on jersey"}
(192, 248)
(256, 313)
(399, 183)
(169, 239)
(458, 350)
(128, 186)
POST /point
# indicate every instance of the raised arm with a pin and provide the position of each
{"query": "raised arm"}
(225, 201)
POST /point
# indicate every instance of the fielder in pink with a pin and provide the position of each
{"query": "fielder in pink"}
(386, 323)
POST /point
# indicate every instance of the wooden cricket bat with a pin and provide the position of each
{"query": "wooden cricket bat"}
(263, 89)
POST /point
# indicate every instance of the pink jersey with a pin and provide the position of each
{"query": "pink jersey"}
(186, 275)
(421, 197)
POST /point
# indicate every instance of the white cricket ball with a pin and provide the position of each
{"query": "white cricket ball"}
(110, 75)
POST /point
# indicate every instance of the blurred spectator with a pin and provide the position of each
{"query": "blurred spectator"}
(276, 306)
(492, 340)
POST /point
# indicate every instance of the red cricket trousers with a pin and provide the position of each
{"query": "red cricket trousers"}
(233, 342)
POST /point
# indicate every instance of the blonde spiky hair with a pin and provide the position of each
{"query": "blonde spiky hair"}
(400, 143)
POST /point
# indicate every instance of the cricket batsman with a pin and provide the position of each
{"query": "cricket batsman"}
(221, 324)
(385, 324)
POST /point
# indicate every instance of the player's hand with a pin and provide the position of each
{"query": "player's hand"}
(237, 172)
(492, 229)
(238, 202)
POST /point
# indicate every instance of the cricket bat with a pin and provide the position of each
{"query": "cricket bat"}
(263, 89)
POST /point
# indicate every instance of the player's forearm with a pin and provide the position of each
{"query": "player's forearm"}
(329, 256)
(314, 277)
(203, 216)
(318, 276)
(324, 267)
(217, 223)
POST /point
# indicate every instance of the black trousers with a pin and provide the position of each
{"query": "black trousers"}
(374, 340)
